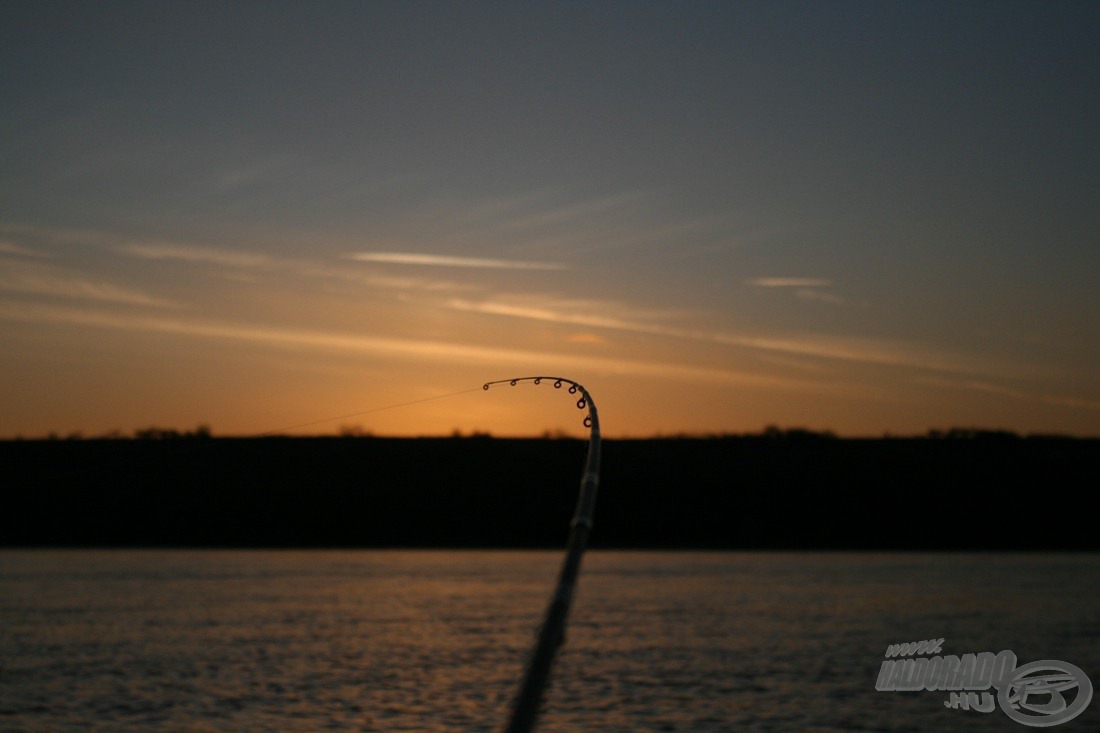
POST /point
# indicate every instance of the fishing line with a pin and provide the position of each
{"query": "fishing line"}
(173, 447)
(277, 431)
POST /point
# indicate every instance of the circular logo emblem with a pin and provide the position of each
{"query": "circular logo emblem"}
(1035, 694)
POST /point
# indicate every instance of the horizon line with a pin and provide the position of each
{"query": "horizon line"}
(202, 432)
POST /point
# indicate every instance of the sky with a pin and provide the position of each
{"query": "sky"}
(863, 217)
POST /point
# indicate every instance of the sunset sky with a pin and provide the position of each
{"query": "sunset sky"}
(865, 217)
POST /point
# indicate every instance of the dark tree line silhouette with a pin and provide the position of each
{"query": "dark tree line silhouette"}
(790, 489)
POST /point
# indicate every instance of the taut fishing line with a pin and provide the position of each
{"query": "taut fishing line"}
(190, 444)
(277, 431)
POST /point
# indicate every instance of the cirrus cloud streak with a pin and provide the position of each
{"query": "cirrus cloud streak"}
(433, 260)
(790, 282)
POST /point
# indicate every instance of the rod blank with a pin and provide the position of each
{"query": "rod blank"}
(525, 708)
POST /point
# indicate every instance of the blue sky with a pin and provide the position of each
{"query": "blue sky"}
(858, 216)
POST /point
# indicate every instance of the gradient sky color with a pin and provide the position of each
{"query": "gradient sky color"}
(866, 217)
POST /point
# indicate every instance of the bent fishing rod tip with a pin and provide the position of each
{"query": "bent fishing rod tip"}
(585, 400)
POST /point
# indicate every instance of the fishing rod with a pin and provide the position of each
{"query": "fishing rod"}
(525, 708)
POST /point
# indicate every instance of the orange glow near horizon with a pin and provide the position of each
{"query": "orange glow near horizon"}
(161, 366)
(243, 381)
(818, 243)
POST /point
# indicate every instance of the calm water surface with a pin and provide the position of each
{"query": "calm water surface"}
(435, 641)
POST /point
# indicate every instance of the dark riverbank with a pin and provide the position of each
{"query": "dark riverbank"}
(798, 492)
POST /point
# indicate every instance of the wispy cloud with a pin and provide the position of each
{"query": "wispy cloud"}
(577, 312)
(1013, 393)
(571, 213)
(614, 316)
(432, 260)
(790, 282)
(204, 255)
(429, 285)
(47, 281)
(586, 337)
(863, 351)
(805, 288)
(241, 266)
(7, 248)
(436, 351)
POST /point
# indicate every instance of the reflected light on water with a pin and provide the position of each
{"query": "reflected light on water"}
(436, 641)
